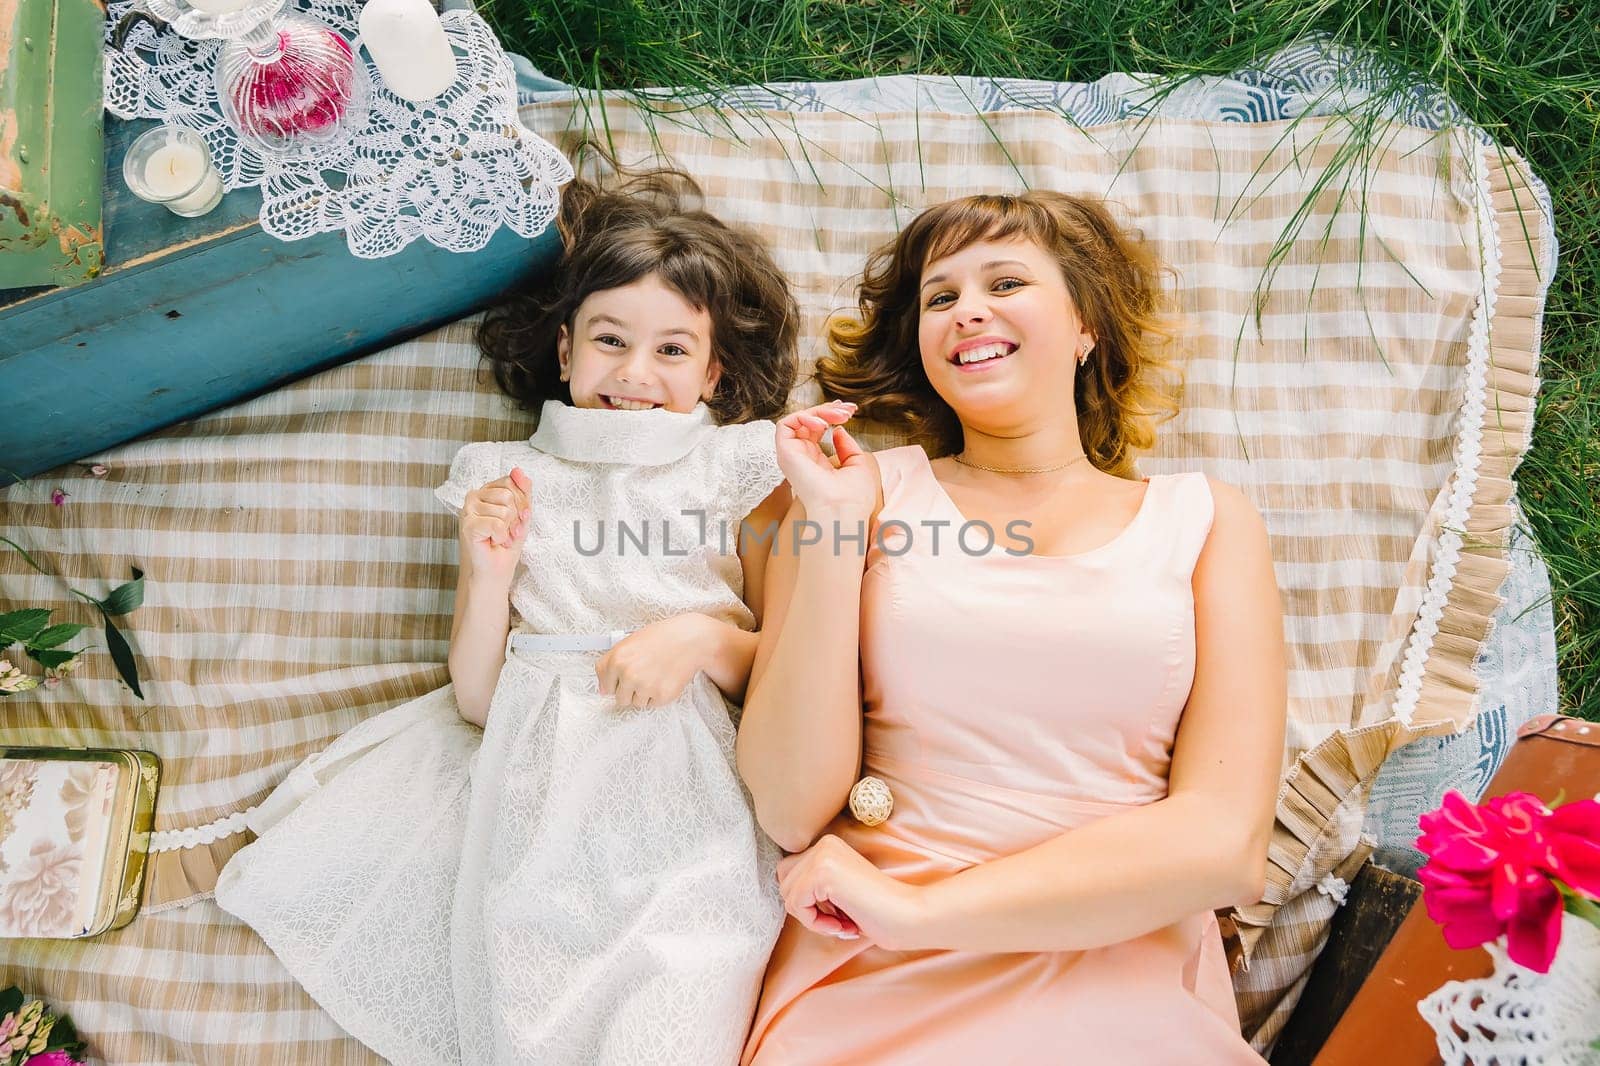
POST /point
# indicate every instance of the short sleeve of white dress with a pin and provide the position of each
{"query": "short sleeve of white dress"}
(473, 467)
(746, 465)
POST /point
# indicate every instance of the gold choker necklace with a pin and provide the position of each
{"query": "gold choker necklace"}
(1021, 470)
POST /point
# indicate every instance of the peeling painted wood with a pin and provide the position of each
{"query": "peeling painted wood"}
(191, 314)
(51, 149)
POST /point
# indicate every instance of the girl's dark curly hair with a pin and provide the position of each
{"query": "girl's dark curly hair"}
(652, 223)
(1129, 383)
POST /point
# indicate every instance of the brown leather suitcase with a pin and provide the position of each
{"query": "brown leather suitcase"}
(1554, 757)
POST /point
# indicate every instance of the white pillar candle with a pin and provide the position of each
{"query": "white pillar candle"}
(407, 44)
(171, 166)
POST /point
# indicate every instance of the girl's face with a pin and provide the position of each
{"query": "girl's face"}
(638, 347)
(999, 333)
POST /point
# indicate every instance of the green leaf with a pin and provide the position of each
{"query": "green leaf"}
(21, 626)
(126, 597)
(64, 1035)
(24, 553)
(1586, 909)
(56, 636)
(122, 656)
(50, 659)
(10, 1000)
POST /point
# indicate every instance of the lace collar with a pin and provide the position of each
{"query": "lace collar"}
(638, 438)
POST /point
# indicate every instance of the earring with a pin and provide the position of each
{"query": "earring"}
(1083, 354)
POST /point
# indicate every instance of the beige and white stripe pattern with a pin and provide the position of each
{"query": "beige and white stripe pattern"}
(300, 573)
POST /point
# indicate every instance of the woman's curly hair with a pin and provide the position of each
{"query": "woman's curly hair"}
(1125, 389)
(652, 223)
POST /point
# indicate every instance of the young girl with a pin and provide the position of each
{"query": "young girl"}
(582, 881)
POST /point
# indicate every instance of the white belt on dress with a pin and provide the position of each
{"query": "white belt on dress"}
(529, 643)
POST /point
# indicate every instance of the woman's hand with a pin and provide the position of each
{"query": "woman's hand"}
(651, 667)
(494, 524)
(846, 482)
(832, 890)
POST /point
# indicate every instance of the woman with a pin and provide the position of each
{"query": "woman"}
(1081, 727)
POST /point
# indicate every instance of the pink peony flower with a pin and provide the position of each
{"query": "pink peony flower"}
(51, 1058)
(1490, 867)
(1574, 831)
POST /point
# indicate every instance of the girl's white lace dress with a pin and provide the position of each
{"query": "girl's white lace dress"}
(578, 883)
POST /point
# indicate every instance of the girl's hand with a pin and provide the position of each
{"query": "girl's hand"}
(831, 890)
(494, 524)
(847, 481)
(651, 667)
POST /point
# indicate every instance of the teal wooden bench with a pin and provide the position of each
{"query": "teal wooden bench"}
(193, 314)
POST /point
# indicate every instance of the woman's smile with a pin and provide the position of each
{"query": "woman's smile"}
(981, 353)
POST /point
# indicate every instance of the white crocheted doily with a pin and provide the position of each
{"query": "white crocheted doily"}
(1516, 1017)
(451, 170)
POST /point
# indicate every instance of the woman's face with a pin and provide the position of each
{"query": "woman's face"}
(638, 347)
(999, 332)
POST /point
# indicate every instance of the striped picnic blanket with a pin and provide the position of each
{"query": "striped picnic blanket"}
(1361, 313)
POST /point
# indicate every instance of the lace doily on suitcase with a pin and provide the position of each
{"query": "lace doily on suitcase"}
(1517, 1017)
(451, 170)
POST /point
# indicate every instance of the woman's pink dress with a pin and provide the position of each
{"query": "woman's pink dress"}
(1009, 698)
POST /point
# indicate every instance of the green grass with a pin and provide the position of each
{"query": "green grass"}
(1529, 72)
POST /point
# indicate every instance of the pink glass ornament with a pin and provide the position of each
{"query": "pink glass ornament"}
(289, 81)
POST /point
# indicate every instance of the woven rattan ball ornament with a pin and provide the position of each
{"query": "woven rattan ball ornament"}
(871, 801)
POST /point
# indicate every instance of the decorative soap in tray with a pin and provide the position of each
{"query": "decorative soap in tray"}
(74, 832)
